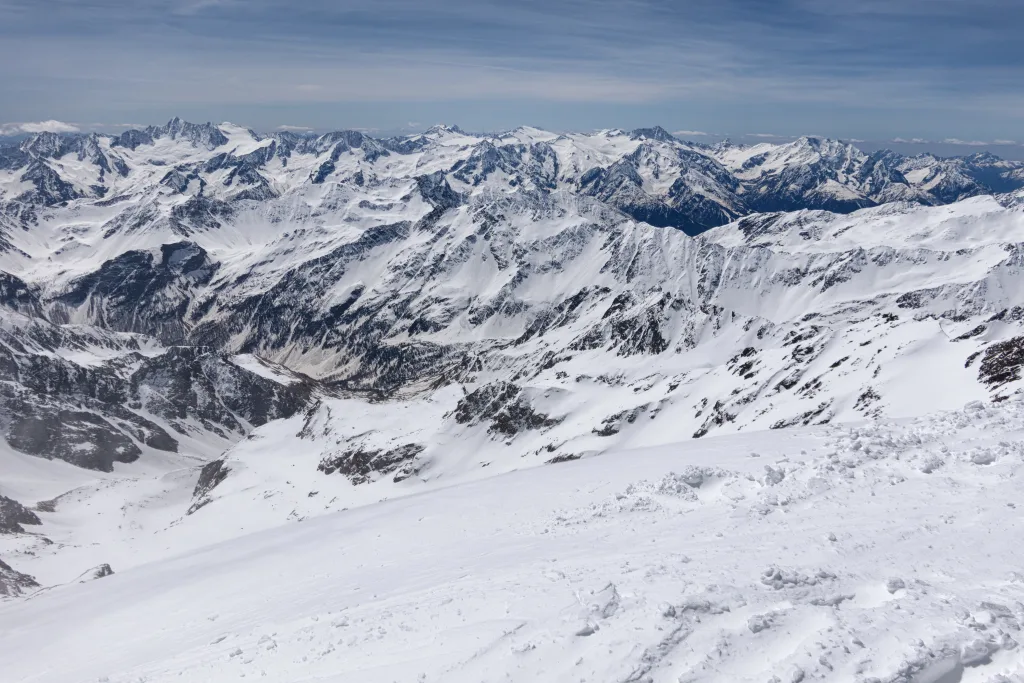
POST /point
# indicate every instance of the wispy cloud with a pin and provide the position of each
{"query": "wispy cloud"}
(38, 127)
(691, 133)
(864, 68)
(978, 143)
(117, 126)
(295, 129)
(954, 141)
(970, 143)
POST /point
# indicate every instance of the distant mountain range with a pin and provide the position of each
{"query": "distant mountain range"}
(646, 173)
(137, 267)
(206, 332)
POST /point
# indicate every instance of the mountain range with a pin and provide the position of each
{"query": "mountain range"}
(646, 173)
(138, 268)
(206, 331)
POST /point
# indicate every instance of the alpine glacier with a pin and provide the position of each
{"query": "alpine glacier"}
(209, 335)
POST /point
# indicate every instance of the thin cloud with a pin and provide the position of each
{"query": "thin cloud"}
(107, 126)
(51, 126)
(977, 143)
(970, 143)
(954, 141)
(691, 133)
(295, 129)
(864, 67)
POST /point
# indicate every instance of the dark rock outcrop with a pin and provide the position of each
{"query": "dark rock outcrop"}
(212, 474)
(141, 292)
(81, 438)
(1001, 363)
(504, 407)
(14, 583)
(196, 383)
(362, 465)
(13, 515)
(99, 572)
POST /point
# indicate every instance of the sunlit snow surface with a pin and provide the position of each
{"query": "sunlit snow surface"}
(886, 551)
(595, 540)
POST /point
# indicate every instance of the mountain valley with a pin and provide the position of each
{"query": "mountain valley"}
(219, 347)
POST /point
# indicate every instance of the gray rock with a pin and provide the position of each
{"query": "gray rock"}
(14, 583)
(13, 514)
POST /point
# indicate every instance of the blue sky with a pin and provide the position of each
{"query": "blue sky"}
(862, 69)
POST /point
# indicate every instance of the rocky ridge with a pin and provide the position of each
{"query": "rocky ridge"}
(197, 293)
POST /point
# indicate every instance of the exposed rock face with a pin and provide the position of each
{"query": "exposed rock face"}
(200, 135)
(212, 474)
(142, 292)
(94, 398)
(78, 437)
(504, 407)
(17, 295)
(1001, 362)
(361, 465)
(197, 383)
(14, 583)
(686, 205)
(13, 515)
(49, 188)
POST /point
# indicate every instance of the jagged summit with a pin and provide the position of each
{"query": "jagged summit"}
(202, 134)
(646, 173)
(207, 333)
(444, 129)
(654, 133)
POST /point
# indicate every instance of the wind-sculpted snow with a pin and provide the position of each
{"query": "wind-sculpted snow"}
(873, 552)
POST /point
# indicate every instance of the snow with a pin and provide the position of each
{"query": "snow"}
(727, 559)
(918, 175)
(527, 135)
(258, 366)
(737, 156)
(11, 184)
(969, 224)
(834, 188)
(241, 140)
(637, 513)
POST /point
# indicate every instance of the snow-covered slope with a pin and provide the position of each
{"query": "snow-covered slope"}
(207, 333)
(817, 173)
(396, 268)
(514, 266)
(877, 552)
